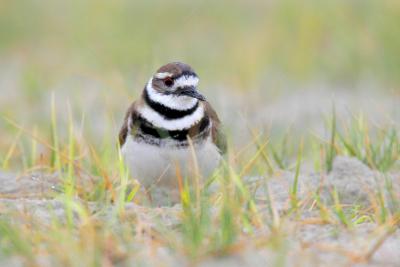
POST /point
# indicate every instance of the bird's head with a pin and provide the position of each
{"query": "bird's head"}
(177, 79)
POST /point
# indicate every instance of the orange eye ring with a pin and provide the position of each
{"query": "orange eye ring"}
(168, 81)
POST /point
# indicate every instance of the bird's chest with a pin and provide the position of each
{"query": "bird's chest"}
(149, 163)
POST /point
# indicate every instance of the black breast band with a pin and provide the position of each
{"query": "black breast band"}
(147, 129)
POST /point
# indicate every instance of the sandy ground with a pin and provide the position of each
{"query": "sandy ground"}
(308, 244)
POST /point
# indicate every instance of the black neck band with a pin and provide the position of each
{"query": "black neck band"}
(166, 112)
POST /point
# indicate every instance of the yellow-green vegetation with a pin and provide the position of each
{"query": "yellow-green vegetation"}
(68, 71)
(208, 223)
(235, 41)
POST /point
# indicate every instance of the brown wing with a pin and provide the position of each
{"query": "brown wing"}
(217, 132)
(131, 113)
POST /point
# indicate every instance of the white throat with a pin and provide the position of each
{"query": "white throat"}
(173, 102)
(170, 101)
(171, 125)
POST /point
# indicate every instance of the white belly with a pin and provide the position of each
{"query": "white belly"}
(150, 164)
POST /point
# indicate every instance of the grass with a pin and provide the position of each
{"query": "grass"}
(96, 52)
(210, 224)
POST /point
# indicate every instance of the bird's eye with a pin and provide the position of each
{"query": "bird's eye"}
(168, 81)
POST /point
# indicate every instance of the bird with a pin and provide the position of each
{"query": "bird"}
(171, 130)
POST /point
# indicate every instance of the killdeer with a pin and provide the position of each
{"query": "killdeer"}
(163, 128)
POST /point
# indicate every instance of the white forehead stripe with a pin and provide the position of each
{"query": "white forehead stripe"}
(171, 125)
(171, 101)
(162, 75)
(186, 80)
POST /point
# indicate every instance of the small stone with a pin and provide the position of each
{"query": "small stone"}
(353, 180)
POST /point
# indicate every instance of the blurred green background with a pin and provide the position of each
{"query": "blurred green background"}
(239, 43)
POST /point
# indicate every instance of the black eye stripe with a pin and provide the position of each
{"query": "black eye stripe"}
(185, 73)
(175, 77)
(188, 73)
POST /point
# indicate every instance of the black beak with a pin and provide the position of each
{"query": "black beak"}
(190, 91)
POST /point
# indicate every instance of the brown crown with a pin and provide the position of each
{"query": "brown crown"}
(176, 68)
